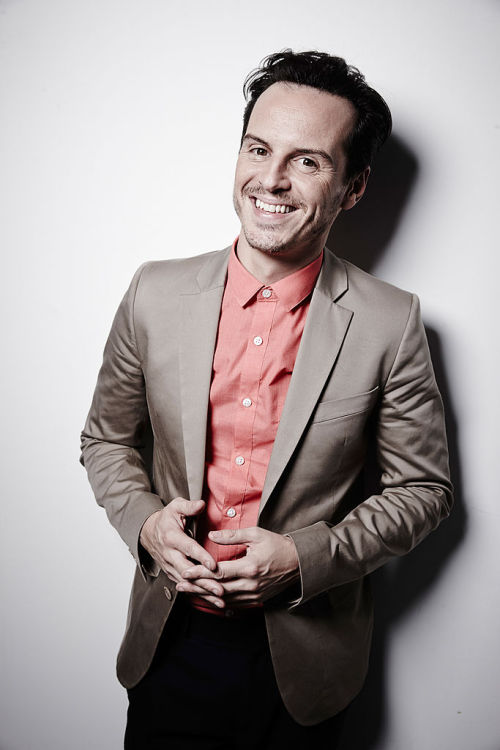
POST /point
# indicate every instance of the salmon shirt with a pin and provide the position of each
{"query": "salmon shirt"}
(258, 337)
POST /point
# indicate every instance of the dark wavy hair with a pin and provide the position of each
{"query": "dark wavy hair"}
(332, 74)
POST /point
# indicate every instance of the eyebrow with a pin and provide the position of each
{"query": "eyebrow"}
(308, 151)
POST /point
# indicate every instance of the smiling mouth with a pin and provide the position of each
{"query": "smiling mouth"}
(273, 208)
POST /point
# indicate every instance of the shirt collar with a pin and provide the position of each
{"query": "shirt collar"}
(290, 291)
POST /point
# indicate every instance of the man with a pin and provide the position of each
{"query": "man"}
(266, 372)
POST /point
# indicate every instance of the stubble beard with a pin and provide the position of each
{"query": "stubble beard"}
(265, 244)
(264, 241)
(261, 240)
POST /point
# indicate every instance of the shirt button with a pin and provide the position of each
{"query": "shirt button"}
(230, 512)
(239, 460)
(266, 293)
(257, 341)
(229, 612)
(247, 402)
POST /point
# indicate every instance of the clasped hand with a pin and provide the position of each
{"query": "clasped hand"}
(270, 564)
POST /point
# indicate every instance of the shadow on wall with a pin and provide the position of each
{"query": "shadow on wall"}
(362, 236)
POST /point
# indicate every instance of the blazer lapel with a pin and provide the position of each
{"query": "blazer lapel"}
(326, 327)
(200, 311)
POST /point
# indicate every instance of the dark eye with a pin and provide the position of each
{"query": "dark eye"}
(307, 163)
(258, 151)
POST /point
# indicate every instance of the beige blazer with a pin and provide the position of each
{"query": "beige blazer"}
(362, 378)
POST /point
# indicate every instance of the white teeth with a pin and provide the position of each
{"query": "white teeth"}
(272, 208)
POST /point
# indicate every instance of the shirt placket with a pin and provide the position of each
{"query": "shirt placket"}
(263, 309)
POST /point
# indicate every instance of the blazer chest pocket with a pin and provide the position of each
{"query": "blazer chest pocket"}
(345, 407)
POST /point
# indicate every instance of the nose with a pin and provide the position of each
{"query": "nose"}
(274, 175)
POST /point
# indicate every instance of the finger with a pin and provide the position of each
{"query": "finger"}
(241, 587)
(207, 584)
(170, 569)
(171, 575)
(217, 601)
(235, 536)
(191, 549)
(220, 603)
(174, 564)
(201, 571)
(203, 587)
(236, 569)
(178, 560)
(186, 507)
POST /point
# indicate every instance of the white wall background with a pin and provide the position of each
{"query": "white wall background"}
(119, 126)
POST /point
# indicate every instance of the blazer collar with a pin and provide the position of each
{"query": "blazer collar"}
(332, 280)
(212, 273)
(326, 326)
(200, 311)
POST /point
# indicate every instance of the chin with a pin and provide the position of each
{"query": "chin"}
(265, 243)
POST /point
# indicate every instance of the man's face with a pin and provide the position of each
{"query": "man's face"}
(290, 176)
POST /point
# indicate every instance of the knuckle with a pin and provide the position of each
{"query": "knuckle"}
(163, 532)
(168, 510)
(176, 505)
(252, 570)
(166, 527)
(166, 543)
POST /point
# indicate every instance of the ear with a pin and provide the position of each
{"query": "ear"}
(355, 189)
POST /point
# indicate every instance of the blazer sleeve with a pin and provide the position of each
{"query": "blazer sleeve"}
(413, 458)
(114, 433)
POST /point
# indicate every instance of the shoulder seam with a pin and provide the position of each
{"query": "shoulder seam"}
(413, 305)
(138, 275)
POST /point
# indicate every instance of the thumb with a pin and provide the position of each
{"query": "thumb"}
(194, 507)
(187, 507)
(233, 536)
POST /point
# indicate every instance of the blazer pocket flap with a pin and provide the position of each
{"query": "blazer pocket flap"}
(345, 407)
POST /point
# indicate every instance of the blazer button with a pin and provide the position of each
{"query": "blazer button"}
(168, 593)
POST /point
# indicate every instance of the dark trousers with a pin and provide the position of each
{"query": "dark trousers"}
(211, 685)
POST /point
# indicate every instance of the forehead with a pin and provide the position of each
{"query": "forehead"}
(289, 112)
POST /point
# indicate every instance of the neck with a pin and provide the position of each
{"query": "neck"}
(269, 268)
